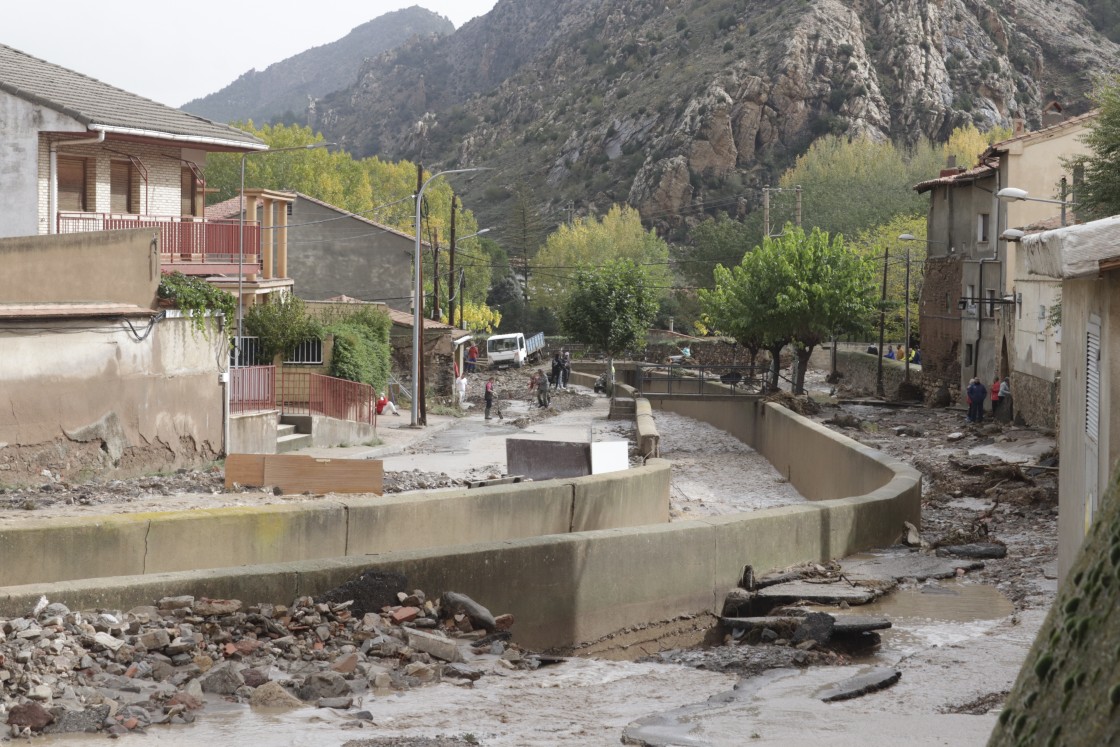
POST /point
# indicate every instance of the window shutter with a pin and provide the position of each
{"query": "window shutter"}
(1093, 381)
(71, 184)
(120, 187)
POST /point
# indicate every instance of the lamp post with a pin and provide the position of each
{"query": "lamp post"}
(1012, 194)
(241, 233)
(453, 292)
(418, 290)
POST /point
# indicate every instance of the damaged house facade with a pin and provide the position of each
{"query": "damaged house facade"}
(102, 191)
(979, 307)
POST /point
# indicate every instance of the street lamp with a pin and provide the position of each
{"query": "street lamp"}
(1013, 194)
(453, 294)
(241, 233)
(417, 300)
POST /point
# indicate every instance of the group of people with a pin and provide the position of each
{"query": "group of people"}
(561, 369)
(914, 355)
(976, 394)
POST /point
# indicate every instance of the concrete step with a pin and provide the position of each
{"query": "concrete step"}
(285, 429)
(292, 441)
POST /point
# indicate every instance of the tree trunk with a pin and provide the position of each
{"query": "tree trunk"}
(775, 364)
(803, 355)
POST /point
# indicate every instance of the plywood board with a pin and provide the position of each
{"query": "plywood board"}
(244, 469)
(298, 473)
(546, 460)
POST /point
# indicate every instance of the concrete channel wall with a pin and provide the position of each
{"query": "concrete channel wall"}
(567, 588)
(143, 543)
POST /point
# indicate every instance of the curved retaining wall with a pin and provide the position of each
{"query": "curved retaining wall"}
(144, 543)
(568, 588)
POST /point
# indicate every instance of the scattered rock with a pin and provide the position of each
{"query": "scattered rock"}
(974, 550)
(324, 685)
(868, 682)
(452, 603)
(29, 715)
(223, 679)
(273, 695)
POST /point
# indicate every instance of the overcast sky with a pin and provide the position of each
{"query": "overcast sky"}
(176, 52)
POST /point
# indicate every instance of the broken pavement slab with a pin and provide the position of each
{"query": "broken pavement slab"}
(878, 678)
(893, 567)
(817, 593)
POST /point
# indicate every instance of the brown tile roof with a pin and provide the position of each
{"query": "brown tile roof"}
(996, 148)
(976, 173)
(100, 106)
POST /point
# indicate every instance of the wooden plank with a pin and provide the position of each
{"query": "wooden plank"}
(297, 473)
(244, 469)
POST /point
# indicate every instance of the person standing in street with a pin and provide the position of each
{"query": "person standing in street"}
(557, 370)
(461, 388)
(489, 396)
(472, 358)
(977, 393)
(567, 370)
(995, 397)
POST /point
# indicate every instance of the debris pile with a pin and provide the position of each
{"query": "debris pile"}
(121, 672)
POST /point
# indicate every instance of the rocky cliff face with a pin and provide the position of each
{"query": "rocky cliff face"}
(285, 89)
(679, 106)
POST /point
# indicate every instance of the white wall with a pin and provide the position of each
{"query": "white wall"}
(20, 214)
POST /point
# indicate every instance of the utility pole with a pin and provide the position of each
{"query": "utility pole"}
(907, 356)
(882, 321)
(798, 190)
(766, 211)
(451, 270)
(418, 387)
(435, 275)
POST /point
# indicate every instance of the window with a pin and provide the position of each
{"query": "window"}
(308, 352)
(71, 184)
(970, 298)
(968, 355)
(121, 185)
(189, 192)
(245, 351)
(982, 226)
(990, 309)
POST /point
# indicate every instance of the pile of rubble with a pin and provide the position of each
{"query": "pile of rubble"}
(54, 490)
(120, 672)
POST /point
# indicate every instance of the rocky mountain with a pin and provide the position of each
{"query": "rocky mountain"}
(285, 89)
(678, 106)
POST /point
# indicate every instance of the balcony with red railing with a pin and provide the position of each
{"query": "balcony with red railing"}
(193, 246)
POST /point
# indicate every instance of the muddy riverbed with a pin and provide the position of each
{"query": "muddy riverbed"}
(957, 643)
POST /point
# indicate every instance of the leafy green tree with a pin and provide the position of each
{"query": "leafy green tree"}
(794, 288)
(361, 344)
(850, 186)
(280, 325)
(719, 240)
(610, 307)
(1098, 195)
(592, 242)
(882, 243)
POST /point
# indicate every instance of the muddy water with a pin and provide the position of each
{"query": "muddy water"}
(936, 614)
(939, 630)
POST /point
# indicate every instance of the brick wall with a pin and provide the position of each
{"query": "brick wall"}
(940, 327)
(1035, 400)
(159, 195)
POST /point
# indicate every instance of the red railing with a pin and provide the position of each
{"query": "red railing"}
(252, 388)
(304, 393)
(180, 239)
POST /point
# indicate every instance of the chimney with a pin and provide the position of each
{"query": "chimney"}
(1018, 127)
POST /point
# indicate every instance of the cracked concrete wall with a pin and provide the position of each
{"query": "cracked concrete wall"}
(85, 398)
